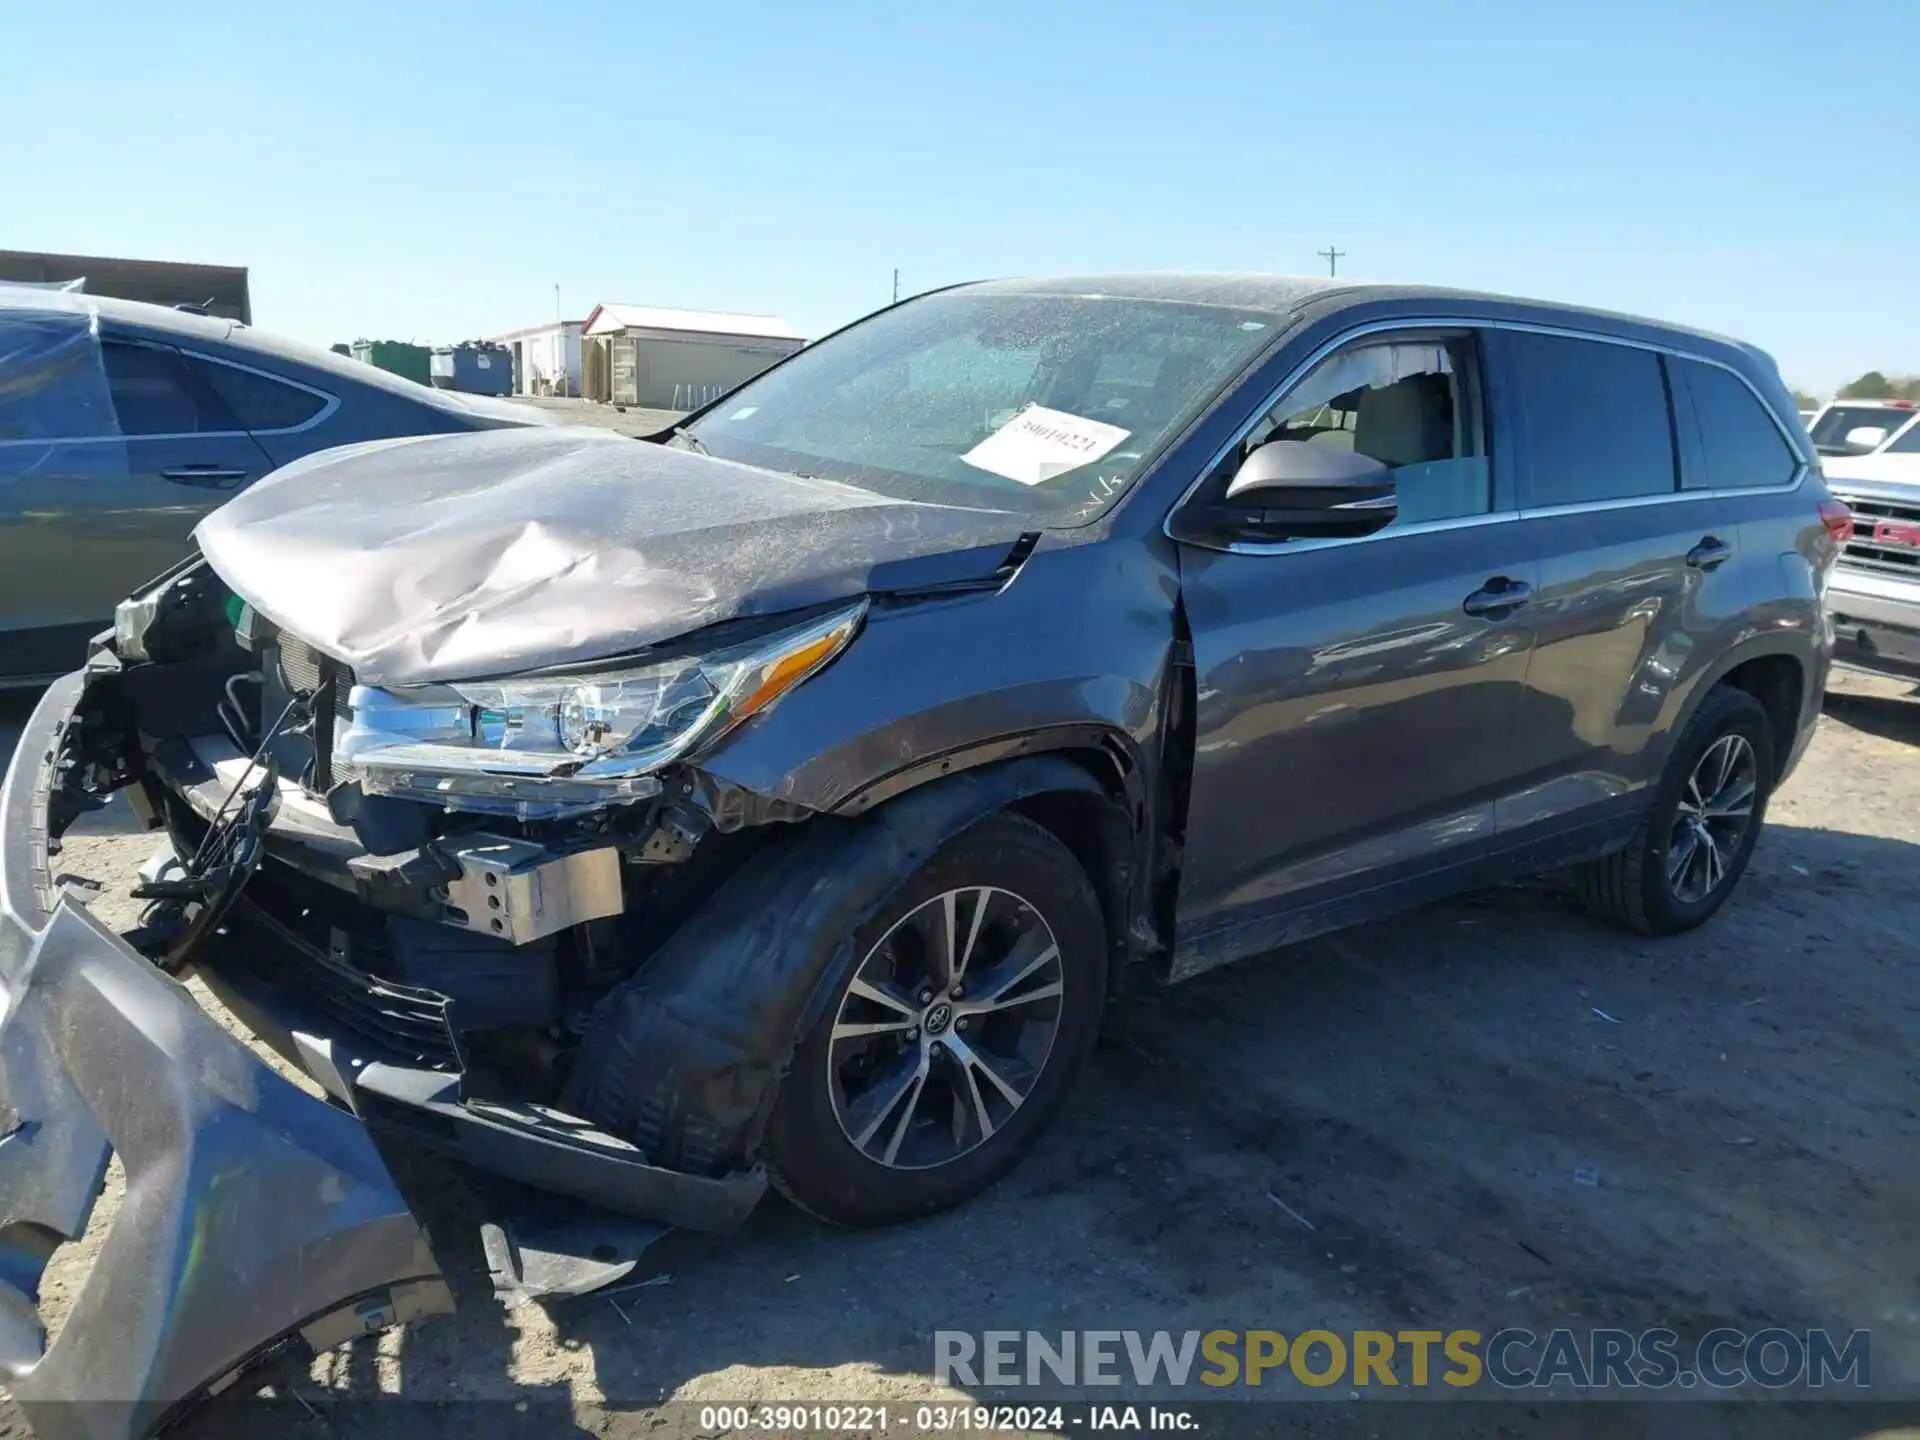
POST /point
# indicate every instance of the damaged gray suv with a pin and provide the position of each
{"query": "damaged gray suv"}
(781, 801)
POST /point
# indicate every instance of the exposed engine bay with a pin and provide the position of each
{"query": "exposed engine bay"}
(450, 941)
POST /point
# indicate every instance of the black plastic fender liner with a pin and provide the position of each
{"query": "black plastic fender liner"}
(686, 1058)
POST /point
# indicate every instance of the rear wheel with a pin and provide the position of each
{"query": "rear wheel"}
(968, 1006)
(1692, 847)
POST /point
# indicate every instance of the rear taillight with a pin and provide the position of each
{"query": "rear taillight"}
(1838, 519)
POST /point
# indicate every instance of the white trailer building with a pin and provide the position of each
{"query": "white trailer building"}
(546, 358)
(648, 355)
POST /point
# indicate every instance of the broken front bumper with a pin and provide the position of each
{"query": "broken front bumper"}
(391, 1052)
(257, 970)
(252, 1212)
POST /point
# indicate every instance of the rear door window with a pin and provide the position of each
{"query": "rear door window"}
(1743, 448)
(155, 392)
(52, 386)
(257, 401)
(1597, 423)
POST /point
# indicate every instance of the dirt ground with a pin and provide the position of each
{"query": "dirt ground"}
(628, 420)
(1394, 1127)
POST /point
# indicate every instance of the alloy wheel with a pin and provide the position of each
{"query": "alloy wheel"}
(945, 1027)
(1715, 812)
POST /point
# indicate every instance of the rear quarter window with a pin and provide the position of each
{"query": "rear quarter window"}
(257, 401)
(1741, 446)
(1596, 418)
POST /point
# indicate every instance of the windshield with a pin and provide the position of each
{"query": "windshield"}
(1032, 403)
(1830, 429)
(1907, 442)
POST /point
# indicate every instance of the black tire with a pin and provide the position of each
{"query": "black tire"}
(809, 1154)
(1632, 887)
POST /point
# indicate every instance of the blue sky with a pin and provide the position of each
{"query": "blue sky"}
(433, 171)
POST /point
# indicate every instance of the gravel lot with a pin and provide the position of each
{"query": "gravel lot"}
(1421, 1092)
(630, 421)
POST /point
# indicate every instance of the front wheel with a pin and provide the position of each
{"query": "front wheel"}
(968, 1006)
(1692, 847)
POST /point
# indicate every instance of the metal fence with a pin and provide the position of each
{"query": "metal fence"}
(692, 397)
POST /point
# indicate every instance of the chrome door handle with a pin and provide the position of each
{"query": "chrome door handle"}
(212, 476)
(1498, 598)
(1711, 551)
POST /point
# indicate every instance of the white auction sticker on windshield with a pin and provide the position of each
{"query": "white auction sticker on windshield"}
(1038, 444)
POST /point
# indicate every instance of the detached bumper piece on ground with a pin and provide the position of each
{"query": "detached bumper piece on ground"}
(254, 1215)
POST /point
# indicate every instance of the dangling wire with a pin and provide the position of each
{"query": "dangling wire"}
(233, 714)
(220, 864)
(253, 763)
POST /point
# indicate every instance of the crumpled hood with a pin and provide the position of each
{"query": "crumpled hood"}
(460, 556)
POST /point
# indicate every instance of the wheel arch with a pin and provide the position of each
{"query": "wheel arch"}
(1108, 755)
(686, 1056)
(1779, 682)
(1105, 816)
(1774, 673)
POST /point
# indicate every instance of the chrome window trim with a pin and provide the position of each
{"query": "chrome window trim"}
(1634, 502)
(1459, 322)
(1391, 532)
(319, 417)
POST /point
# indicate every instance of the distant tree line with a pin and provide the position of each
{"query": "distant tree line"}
(1871, 386)
(1875, 386)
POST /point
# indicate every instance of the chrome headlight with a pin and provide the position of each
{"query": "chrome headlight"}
(557, 744)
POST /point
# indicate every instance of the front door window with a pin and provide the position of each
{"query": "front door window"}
(1409, 405)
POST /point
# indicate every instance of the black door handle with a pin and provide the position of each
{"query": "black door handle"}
(1498, 598)
(214, 477)
(1711, 551)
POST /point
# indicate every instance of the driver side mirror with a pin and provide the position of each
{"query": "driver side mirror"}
(1288, 489)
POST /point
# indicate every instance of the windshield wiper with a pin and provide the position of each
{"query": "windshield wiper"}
(689, 439)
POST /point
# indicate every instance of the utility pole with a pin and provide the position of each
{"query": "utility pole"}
(556, 302)
(896, 284)
(1333, 259)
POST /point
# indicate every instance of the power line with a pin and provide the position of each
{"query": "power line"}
(1333, 258)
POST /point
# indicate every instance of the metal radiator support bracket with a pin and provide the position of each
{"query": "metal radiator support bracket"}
(520, 892)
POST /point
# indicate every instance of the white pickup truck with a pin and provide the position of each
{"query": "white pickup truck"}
(1870, 452)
